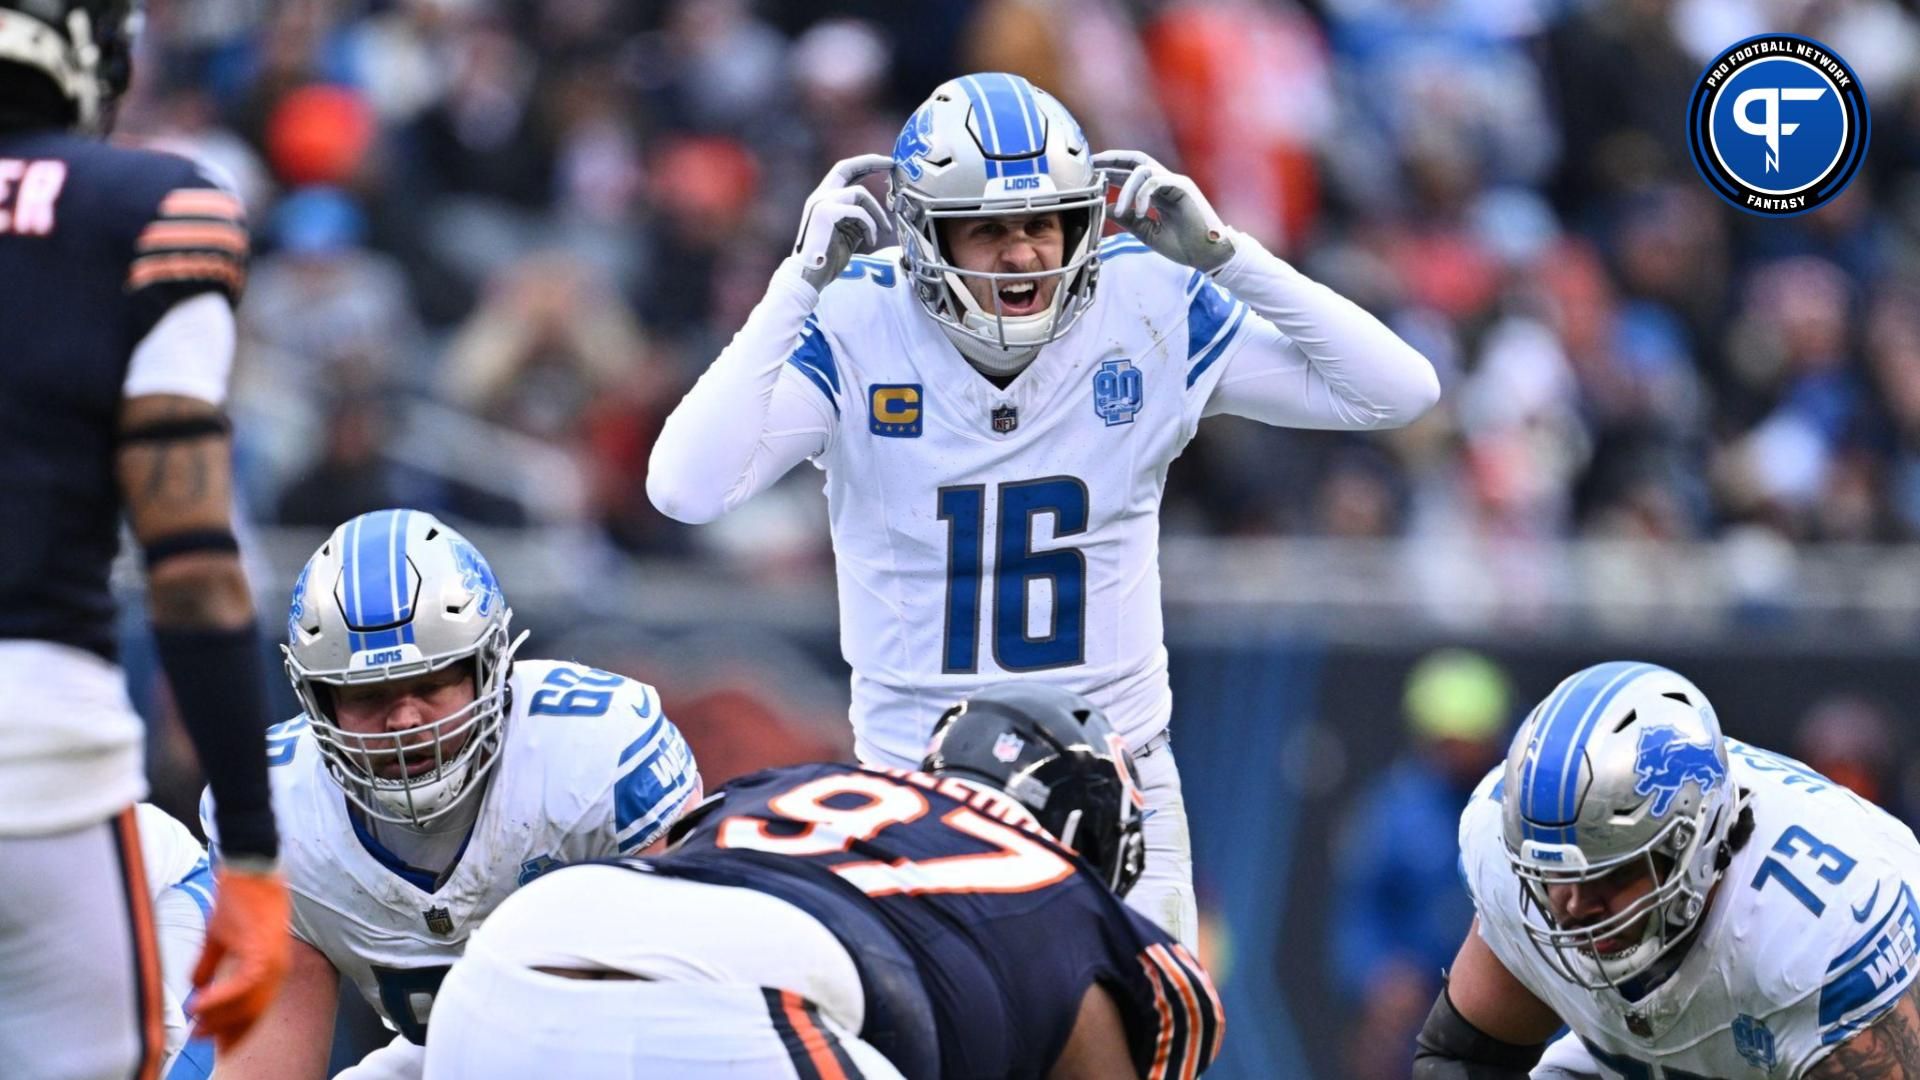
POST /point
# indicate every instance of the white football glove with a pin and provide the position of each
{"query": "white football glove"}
(1166, 211)
(841, 219)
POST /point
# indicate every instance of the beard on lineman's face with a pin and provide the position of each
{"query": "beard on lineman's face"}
(1008, 245)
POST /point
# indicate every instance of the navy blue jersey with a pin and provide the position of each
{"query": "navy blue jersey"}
(1005, 929)
(97, 242)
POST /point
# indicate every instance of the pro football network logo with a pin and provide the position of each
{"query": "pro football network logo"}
(1778, 125)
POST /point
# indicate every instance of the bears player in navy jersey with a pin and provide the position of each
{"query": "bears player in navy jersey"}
(995, 404)
(814, 921)
(119, 269)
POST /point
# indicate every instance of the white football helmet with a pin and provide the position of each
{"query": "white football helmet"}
(392, 595)
(1622, 763)
(995, 145)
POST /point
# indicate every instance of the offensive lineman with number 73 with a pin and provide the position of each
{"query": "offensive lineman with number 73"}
(1689, 905)
(996, 431)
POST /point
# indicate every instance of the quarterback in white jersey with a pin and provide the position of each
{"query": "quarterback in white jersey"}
(996, 431)
(1688, 905)
(429, 776)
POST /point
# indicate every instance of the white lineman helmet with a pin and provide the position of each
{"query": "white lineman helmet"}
(1622, 764)
(392, 595)
(995, 145)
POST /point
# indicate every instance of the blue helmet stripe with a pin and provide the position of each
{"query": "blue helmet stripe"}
(1013, 98)
(398, 600)
(1554, 794)
(373, 552)
(352, 571)
(989, 129)
(402, 599)
(1538, 732)
(1035, 122)
(989, 134)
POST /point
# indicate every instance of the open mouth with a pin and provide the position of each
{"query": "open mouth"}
(389, 765)
(1019, 298)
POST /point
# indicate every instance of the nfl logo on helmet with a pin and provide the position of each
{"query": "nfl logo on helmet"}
(1008, 746)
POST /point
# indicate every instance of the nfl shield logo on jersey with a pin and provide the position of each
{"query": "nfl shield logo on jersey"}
(1754, 1041)
(1005, 418)
(1008, 746)
(1116, 391)
(439, 920)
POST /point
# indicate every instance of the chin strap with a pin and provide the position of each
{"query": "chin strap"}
(987, 358)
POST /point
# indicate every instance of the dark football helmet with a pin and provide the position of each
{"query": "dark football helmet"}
(83, 47)
(1058, 756)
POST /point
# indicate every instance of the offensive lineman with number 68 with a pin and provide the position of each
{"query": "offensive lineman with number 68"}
(996, 431)
(429, 774)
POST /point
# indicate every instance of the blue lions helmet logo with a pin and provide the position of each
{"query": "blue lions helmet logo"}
(1754, 1041)
(1666, 762)
(475, 575)
(912, 145)
(298, 607)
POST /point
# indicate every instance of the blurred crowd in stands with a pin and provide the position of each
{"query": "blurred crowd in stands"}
(538, 220)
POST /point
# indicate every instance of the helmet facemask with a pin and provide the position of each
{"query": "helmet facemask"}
(356, 760)
(1622, 768)
(1671, 909)
(396, 595)
(1005, 343)
(993, 145)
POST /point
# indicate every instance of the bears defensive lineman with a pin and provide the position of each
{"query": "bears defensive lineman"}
(1690, 906)
(428, 776)
(996, 431)
(848, 921)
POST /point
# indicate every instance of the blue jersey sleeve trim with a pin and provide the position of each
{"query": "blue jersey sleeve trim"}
(813, 357)
(198, 884)
(1219, 347)
(657, 774)
(1120, 244)
(1870, 977)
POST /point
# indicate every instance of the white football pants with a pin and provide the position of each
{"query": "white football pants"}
(80, 993)
(733, 985)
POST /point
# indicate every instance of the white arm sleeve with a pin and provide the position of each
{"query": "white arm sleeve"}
(749, 419)
(189, 352)
(181, 925)
(1316, 359)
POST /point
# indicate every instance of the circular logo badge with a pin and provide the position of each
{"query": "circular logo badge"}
(1778, 125)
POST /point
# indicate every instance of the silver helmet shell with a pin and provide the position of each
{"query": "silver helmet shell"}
(392, 595)
(995, 145)
(1623, 766)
